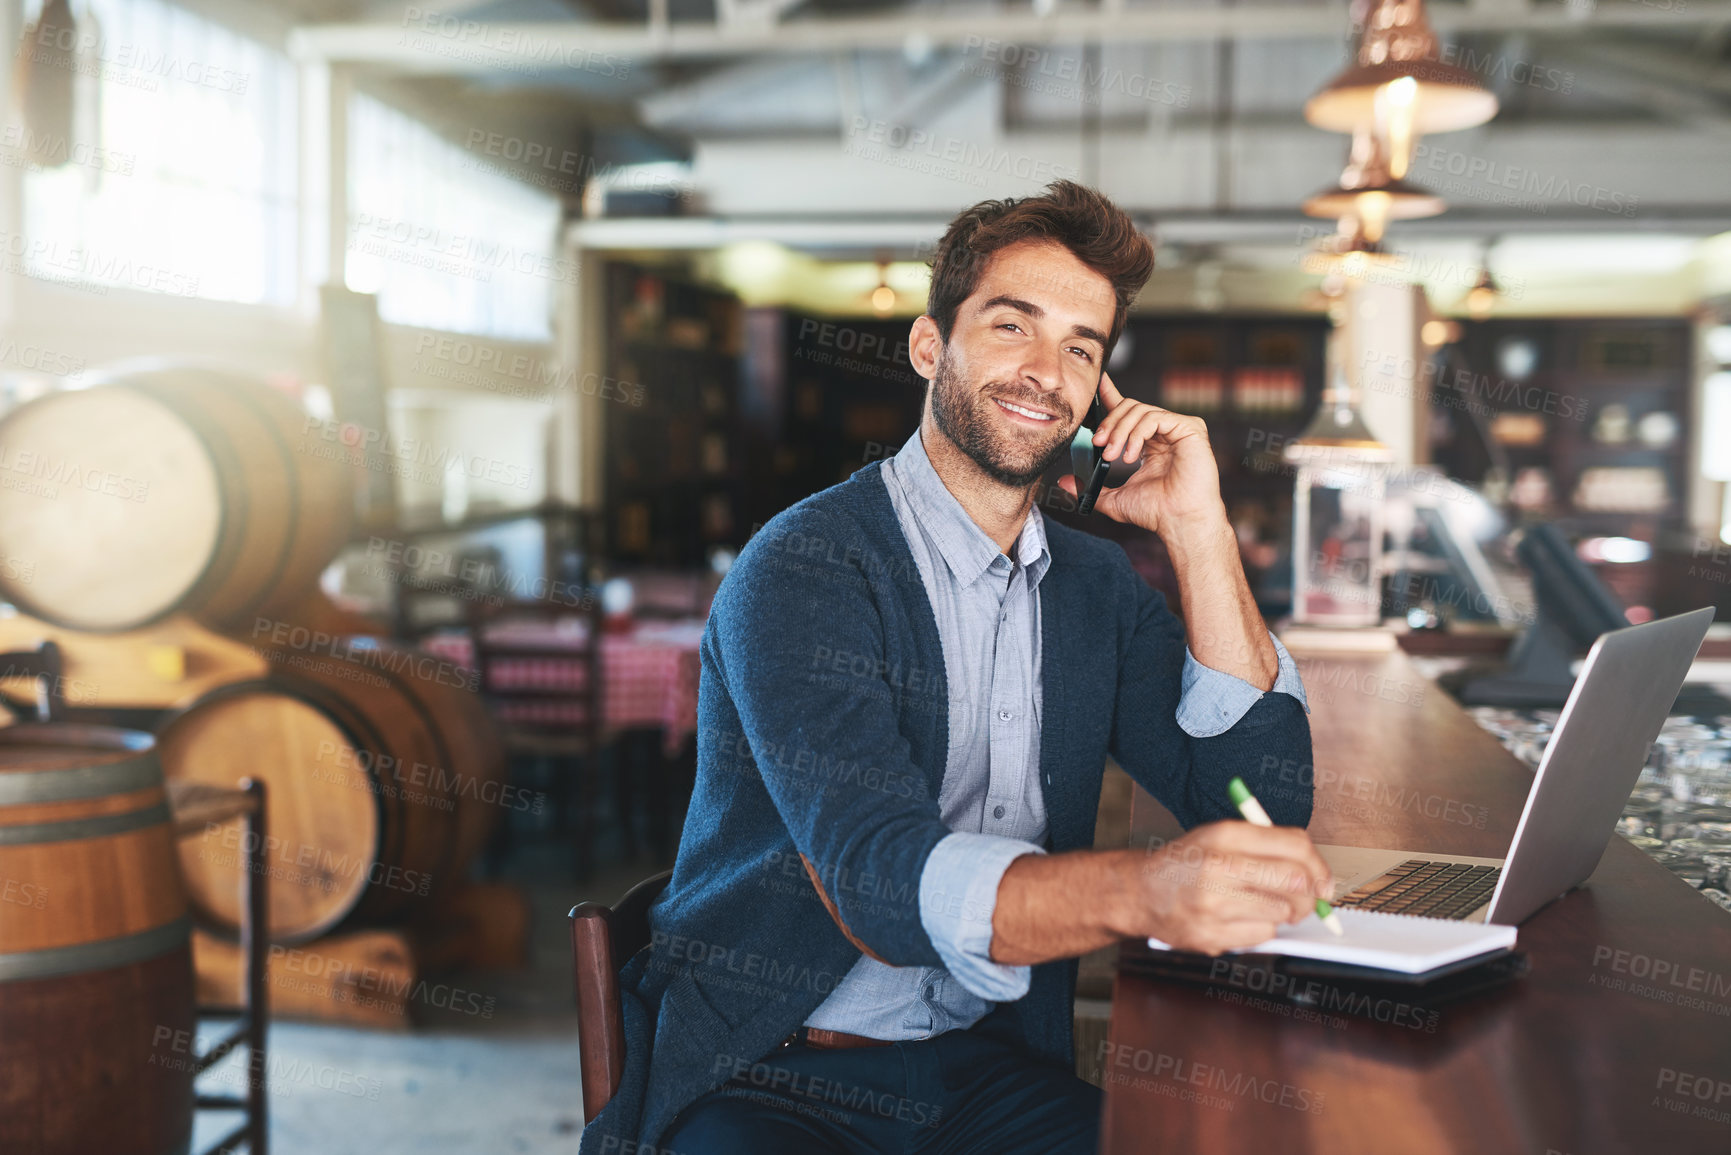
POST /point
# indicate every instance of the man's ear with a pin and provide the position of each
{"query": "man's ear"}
(925, 344)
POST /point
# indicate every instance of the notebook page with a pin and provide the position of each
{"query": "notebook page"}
(1394, 942)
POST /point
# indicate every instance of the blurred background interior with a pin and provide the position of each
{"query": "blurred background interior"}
(387, 389)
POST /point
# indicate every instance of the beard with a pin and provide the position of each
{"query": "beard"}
(960, 410)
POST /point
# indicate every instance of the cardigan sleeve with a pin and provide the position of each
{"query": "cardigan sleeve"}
(1265, 746)
(1212, 701)
(827, 746)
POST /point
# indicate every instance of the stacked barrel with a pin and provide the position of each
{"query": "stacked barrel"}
(164, 491)
(383, 784)
(179, 494)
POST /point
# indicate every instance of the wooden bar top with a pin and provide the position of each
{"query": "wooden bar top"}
(1618, 1041)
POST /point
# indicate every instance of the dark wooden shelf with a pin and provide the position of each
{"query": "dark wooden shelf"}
(1571, 361)
(668, 510)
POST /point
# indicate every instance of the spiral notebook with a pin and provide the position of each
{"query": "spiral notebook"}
(1392, 942)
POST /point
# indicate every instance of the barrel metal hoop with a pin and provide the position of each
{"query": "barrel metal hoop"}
(25, 787)
(104, 954)
(100, 826)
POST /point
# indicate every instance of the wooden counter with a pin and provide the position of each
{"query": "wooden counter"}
(1587, 1054)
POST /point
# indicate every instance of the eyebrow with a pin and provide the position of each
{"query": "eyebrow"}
(1037, 312)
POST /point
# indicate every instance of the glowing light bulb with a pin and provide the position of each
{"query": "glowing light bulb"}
(1481, 301)
(1395, 104)
(1373, 214)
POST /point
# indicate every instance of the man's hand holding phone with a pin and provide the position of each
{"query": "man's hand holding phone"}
(1177, 483)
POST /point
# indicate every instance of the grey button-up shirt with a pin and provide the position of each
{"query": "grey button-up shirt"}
(987, 607)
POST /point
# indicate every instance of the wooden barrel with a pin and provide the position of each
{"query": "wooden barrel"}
(385, 776)
(167, 490)
(96, 1002)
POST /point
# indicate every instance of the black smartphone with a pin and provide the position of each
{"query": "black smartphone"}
(1088, 461)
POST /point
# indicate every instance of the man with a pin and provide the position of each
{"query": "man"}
(911, 683)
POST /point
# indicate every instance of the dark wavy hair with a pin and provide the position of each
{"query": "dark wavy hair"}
(1099, 233)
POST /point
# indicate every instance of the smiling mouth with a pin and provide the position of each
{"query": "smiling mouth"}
(1024, 411)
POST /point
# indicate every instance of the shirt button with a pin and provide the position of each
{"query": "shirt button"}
(1003, 715)
(931, 992)
(997, 812)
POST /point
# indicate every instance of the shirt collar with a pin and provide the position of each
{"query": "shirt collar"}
(964, 545)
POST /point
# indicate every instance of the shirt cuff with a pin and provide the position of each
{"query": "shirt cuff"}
(958, 896)
(1212, 702)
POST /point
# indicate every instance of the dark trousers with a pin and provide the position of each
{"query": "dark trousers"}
(958, 1094)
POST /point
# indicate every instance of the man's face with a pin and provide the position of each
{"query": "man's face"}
(1023, 360)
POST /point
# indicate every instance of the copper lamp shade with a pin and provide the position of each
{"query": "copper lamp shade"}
(1449, 97)
(1398, 44)
(1337, 425)
(1481, 299)
(1349, 253)
(1367, 191)
(1404, 201)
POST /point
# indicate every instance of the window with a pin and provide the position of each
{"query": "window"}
(445, 241)
(179, 174)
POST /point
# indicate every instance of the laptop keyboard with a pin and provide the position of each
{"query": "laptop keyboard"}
(1431, 889)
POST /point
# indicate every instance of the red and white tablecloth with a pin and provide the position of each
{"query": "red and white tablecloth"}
(649, 675)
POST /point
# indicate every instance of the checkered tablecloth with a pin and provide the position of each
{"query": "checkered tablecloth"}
(649, 676)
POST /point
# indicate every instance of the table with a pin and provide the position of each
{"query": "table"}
(1590, 1053)
(649, 675)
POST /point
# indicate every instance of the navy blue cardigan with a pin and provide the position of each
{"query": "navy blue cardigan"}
(822, 740)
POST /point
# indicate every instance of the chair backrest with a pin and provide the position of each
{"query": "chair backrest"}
(548, 685)
(603, 939)
(45, 665)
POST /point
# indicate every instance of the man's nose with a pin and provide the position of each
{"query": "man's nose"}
(1042, 368)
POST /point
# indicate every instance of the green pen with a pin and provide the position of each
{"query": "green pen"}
(1257, 816)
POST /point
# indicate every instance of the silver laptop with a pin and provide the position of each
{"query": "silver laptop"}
(1619, 702)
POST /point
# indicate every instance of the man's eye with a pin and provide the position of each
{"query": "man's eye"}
(1082, 353)
(1010, 325)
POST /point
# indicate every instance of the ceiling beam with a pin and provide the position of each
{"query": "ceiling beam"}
(1672, 92)
(917, 234)
(426, 40)
(753, 12)
(1686, 71)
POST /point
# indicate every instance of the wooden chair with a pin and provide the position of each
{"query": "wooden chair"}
(46, 667)
(547, 697)
(196, 806)
(603, 939)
